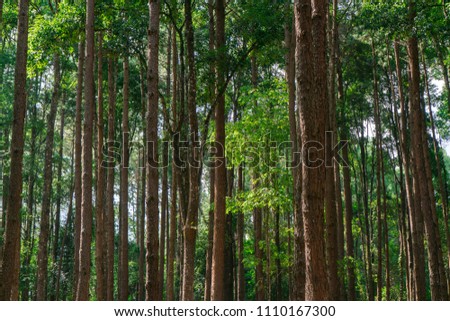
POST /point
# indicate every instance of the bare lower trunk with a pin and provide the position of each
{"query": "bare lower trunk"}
(217, 270)
(9, 285)
(123, 224)
(78, 127)
(153, 292)
(86, 204)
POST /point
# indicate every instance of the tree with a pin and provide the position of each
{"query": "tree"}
(9, 290)
(86, 182)
(152, 287)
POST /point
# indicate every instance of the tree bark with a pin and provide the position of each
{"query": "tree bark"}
(311, 72)
(109, 206)
(9, 288)
(152, 287)
(217, 270)
(86, 182)
(123, 225)
(100, 253)
(78, 126)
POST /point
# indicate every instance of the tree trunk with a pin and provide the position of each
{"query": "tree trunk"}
(78, 122)
(298, 267)
(240, 242)
(142, 196)
(217, 270)
(86, 205)
(173, 197)
(109, 206)
(311, 73)
(9, 288)
(123, 224)
(100, 253)
(42, 261)
(212, 91)
(152, 287)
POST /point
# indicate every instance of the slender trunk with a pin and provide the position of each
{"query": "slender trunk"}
(86, 205)
(217, 270)
(164, 210)
(153, 292)
(42, 261)
(240, 242)
(100, 253)
(9, 288)
(123, 224)
(173, 197)
(212, 90)
(78, 122)
(298, 286)
(141, 231)
(59, 189)
(109, 206)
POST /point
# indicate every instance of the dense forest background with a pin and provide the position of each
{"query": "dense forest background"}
(195, 150)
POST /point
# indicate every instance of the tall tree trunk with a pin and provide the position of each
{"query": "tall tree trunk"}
(311, 72)
(240, 242)
(228, 281)
(152, 287)
(142, 196)
(78, 126)
(174, 188)
(298, 267)
(86, 182)
(164, 216)
(109, 206)
(418, 262)
(59, 188)
(100, 252)
(9, 288)
(123, 224)
(212, 91)
(48, 180)
(217, 270)
(191, 221)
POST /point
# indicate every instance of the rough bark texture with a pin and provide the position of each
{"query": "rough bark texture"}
(9, 285)
(191, 221)
(220, 172)
(311, 78)
(152, 287)
(86, 182)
